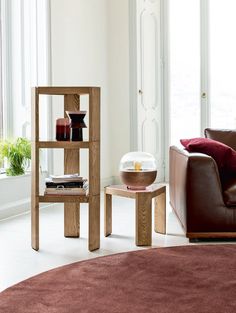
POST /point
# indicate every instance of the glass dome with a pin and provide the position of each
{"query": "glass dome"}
(138, 161)
(138, 170)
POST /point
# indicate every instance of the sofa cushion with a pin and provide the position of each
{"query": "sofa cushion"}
(224, 156)
(229, 191)
(226, 136)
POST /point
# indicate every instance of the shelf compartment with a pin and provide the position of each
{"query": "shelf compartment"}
(63, 144)
(63, 198)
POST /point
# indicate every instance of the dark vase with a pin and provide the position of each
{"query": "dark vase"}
(62, 129)
(77, 124)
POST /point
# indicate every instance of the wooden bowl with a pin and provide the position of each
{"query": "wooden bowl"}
(138, 180)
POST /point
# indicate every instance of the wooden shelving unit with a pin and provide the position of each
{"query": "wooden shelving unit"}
(71, 164)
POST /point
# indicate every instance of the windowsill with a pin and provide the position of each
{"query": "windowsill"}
(4, 176)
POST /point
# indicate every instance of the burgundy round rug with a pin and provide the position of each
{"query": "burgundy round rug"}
(164, 280)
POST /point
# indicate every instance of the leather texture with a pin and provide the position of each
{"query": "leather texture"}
(202, 200)
(226, 136)
(229, 191)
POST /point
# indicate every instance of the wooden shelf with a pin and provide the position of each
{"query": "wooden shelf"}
(63, 144)
(71, 96)
(63, 199)
(64, 90)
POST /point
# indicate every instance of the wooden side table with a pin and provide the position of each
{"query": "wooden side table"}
(143, 210)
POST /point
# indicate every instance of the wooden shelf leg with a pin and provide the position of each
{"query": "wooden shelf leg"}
(143, 211)
(71, 219)
(34, 223)
(160, 213)
(94, 223)
(107, 214)
(71, 165)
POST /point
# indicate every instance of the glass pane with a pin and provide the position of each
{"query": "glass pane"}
(184, 69)
(222, 63)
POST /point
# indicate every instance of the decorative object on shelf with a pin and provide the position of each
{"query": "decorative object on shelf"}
(138, 170)
(77, 124)
(70, 184)
(62, 129)
(17, 153)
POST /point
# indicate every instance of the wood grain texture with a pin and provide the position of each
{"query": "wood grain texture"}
(94, 168)
(107, 214)
(61, 199)
(143, 200)
(94, 223)
(94, 114)
(34, 170)
(94, 138)
(64, 90)
(63, 144)
(71, 165)
(143, 208)
(72, 219)
(123, 191)
(160, 213)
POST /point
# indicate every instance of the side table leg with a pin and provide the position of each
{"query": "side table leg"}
(107, 214)
(160, 213)
(143, 208)
(94, 223)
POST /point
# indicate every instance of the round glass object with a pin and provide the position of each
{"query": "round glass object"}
(138, 170)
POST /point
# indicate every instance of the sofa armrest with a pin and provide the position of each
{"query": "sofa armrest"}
(195, 188)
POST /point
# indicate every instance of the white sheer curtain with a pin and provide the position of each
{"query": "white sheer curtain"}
(25, 42)
(25, 64)
(1, 105)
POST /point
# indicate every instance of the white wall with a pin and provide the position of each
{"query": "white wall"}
(90, 47)
(79, 56)
(15, 195)
(118, 72)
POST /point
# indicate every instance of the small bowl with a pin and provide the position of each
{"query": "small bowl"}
(138, 180)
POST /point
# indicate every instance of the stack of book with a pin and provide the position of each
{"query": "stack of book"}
(71, 184)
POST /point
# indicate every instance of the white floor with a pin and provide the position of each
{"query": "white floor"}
(18, 261)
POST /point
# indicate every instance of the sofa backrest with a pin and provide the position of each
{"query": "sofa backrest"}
(226, 136)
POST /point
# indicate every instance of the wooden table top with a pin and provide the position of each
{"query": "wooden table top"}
(123, 191)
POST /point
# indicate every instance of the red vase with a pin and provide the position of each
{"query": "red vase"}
(62, 129)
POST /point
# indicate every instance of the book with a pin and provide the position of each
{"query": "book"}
(66, 178)
(70, 184)
(66, 191)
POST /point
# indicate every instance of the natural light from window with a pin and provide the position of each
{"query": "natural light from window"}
(222, 58)
(184, 69)
(188, 66)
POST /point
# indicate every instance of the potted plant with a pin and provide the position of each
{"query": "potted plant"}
(17, 153)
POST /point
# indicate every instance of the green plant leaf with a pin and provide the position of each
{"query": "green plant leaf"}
(17, 153)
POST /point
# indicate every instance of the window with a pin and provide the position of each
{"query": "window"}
(202, 66)
(25, 60)
(25, 63)
(1, 104)
(222, 67)
(184, 32)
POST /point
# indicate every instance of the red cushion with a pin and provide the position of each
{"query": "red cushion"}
(224, 156)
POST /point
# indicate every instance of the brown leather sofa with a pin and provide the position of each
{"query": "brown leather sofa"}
(204, 201)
